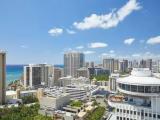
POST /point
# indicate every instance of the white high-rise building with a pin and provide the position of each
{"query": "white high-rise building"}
(139, 96)
(72, 62)
(38, 74)
(123, 66)
(58, 73)
(2, 77)
(109, 64)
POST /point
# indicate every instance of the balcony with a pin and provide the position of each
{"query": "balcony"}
(114, 100)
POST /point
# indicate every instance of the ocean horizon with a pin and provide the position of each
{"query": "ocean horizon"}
(15, 71)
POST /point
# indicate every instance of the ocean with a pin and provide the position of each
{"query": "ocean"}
(14, 72)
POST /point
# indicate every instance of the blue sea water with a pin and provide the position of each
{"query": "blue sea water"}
(14, 72)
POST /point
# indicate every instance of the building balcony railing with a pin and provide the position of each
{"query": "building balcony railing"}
(120, 99)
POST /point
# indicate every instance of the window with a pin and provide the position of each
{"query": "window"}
(141, 89)
(154, 115)
(133, 88)
(124, 111)
(146, 114)
(123, 86)
(134, 112)
(158, 116)
(128, 87)
(120, 110)
(142, 113)
(150, 115)
(147, 89)
(154, 89)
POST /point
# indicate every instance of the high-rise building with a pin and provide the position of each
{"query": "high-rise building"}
(89, 64)
(135, 64)
(146, 63)
(2, 77)
(116, 65)
(58, 73)
(72, 62)
(149, 64)
(109, 64)
(38, 74)
(156, 66)
(123, 66)
(142, 64)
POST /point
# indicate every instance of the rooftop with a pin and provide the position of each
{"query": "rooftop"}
(140, 80)
(140, 76)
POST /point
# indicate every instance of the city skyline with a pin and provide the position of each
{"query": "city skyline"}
(41, 33)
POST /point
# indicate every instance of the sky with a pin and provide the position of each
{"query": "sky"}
(41, 31)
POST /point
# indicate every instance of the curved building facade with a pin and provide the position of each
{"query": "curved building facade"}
(138, 96)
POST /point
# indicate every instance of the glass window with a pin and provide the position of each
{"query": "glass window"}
(150, 115)
(147, 89)
(123, 86)
(133, 88)
(154, 89)
(124, 111)
(117, 110)
(141, 89)
(154, 115)
(128, 87)
(142, 113)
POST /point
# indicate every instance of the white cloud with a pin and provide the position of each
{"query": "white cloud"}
(55, 31)
(136, 55)
(70, 31)
(110, 55)
(111, 51)
(79, 47)
(154, 40)
(129, 41)
(24, 46)
(146, 55)
(88, 52)
(109, 20)
(97, 45)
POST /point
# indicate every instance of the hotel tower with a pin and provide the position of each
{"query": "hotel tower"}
(2, 77)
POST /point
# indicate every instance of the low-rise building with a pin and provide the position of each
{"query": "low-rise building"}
(54, 101)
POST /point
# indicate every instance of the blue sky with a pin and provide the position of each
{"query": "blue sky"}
(40, 31)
